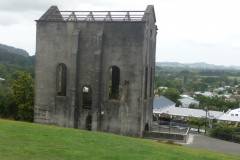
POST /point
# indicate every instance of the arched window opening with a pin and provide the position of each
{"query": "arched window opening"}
(146, 82)
(88, 124)
(61, 80)
(87, 97)
(114, 81)
(146, 128)
(151, 79)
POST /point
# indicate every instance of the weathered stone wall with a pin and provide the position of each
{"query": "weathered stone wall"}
(89, 49)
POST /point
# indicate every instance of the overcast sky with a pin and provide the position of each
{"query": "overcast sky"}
(189, 30)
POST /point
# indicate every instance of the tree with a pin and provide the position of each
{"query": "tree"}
(214, 108)
(8, 109)
(223, 128)
(23, 95)
(193, 105)
(220, 92)
(173, 95)
(197, 122)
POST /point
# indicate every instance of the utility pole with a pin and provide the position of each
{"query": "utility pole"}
(206, 109)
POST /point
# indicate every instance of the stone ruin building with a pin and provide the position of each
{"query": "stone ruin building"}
(95, 70)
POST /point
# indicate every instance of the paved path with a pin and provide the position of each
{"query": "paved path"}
(213, 144)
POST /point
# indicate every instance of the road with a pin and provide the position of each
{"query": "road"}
(213, 144)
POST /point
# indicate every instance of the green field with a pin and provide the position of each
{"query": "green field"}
(21, 140)
(230, 77)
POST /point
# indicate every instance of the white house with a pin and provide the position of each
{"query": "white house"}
(2, 80)
(230, 115)
(206, 94)
(186, 101)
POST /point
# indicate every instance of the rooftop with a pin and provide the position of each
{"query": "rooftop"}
(53, 14)
(187, 112)
(162, 102)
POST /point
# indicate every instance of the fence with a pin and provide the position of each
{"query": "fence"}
(228, 137)
(168, 132)
(169, 129)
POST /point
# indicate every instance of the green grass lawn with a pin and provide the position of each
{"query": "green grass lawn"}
(21, 140)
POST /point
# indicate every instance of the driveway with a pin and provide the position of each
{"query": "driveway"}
(213, 144)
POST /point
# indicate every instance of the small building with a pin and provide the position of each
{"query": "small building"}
(186, 101)
(235, 96)
(233, 113)
(228, 118)
(2, 80)
(162, 102)
(221, 89)
(163, 88)
(206, 94)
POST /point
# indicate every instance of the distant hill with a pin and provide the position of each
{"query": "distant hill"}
(7, 57)
(200, 65)
(14, 50)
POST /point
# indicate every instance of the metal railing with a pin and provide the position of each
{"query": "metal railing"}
(98, 15)
(170, 129)
(176, 133)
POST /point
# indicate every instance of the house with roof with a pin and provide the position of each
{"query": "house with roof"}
(206, 94)
(162, 102)
(235, 96)
(230, 116)
(2, 80)
(188, 112)
(162, 105)
(186, 101)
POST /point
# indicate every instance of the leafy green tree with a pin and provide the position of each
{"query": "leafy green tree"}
(8, 109)
(197, 122)
(214, 108)
(229, 90)
(223, 128)
(3, 71)
(193, 105)
(173, 95)
(23, 95)
(220, 92)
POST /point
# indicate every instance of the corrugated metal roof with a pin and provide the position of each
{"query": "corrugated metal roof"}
(162, 102)
(228, 118)
(188, 112)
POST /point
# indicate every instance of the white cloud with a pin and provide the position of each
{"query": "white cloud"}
(23, 5)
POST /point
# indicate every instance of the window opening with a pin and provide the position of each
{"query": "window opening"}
(151, 78)
(146, 82)
(114, 81)
(146, 128)
(87, 97)
(61, 80)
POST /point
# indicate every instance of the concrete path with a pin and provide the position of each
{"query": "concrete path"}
(213, 144)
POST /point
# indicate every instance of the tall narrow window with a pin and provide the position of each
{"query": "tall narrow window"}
(151, 79)
(114, 81)
(87, 97)
(61, 80)
(146, 82)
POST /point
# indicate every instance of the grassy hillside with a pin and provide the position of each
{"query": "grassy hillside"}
(16, 59)
(20, 140)
(17, 51)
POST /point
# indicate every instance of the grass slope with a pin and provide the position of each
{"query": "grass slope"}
(20, 140)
